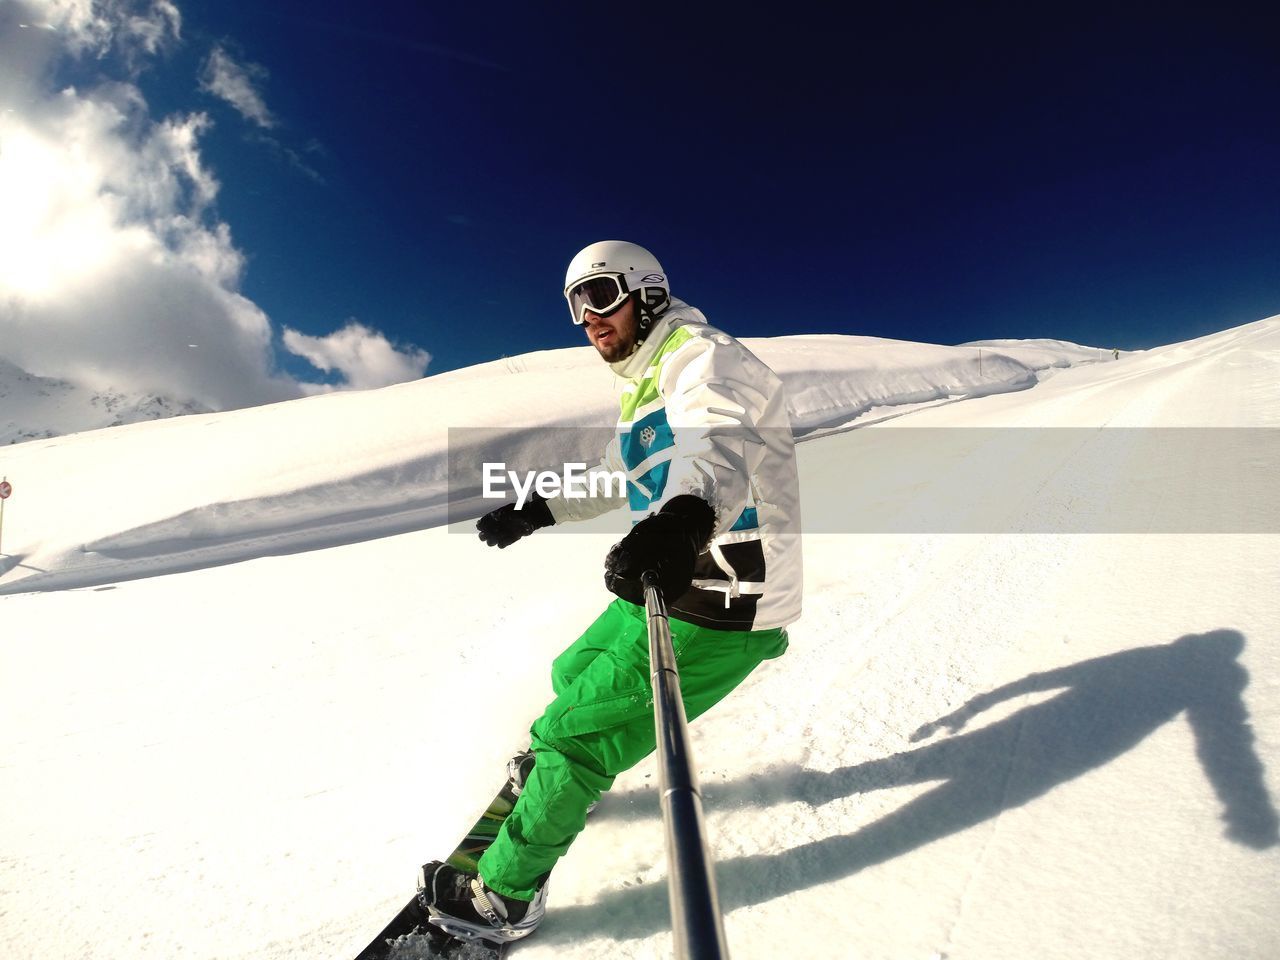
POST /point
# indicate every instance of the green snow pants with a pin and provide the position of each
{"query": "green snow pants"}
(601, 723)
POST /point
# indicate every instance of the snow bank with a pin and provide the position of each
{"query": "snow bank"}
(177, 494)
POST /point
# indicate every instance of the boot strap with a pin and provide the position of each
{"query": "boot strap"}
(484, 906)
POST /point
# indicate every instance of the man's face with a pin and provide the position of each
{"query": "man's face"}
(613, 336)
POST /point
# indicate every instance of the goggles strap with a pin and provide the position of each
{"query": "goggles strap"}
(649, 310)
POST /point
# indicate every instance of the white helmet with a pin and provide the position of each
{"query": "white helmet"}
(603, 276)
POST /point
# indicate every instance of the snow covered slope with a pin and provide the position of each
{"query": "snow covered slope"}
(980, 745)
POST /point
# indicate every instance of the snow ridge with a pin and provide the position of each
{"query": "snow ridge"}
(369, 464)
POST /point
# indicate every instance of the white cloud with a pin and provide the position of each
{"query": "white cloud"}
(363, 357)
(152, 30)
(290, 157)
(134, 27)
(113, 261)
(109, 263)
(236, 83)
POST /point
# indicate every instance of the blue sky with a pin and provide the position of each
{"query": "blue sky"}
(927, 173)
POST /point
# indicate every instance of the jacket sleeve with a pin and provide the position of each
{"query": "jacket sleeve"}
(598, 478)
(715, 393)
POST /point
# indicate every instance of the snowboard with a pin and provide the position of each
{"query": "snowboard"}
(410, 937)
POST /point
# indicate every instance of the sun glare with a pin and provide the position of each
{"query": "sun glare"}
(59, 226)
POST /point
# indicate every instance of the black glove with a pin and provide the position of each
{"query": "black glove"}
(506, 525)
(668, 543)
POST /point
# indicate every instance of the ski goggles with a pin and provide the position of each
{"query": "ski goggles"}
(602, 294)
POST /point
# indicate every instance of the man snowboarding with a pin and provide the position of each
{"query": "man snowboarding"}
(706, 444)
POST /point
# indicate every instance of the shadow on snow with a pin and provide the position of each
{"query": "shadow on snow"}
(1106, 707)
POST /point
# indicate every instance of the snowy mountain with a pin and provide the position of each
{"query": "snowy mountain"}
(37, 408)
(240, 649)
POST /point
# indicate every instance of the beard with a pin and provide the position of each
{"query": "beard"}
(619, 348)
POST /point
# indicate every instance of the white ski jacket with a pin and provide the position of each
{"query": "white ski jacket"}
(702, 415)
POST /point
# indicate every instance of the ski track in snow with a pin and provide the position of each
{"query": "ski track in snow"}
(980, 859)
(239, 762)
